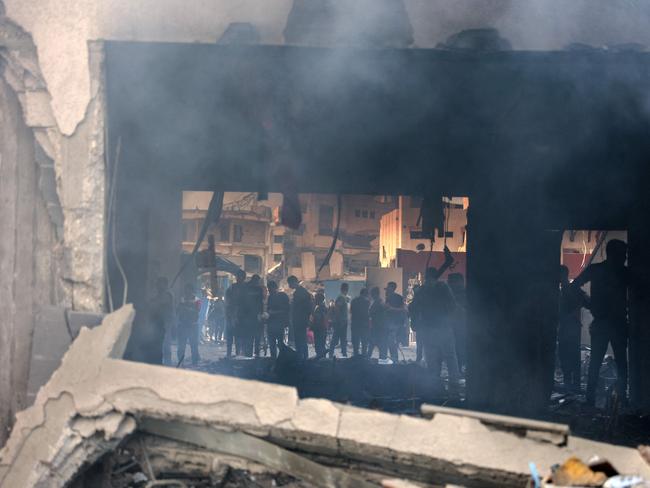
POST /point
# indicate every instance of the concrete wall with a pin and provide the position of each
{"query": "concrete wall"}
(27, 268)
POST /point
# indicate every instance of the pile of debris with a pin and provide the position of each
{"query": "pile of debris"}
(104, 421)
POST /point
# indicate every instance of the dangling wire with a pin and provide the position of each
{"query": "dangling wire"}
(326, 261)
(212, 217)
(446, 222)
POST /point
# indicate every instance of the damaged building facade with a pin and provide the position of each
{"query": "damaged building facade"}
(108, 115)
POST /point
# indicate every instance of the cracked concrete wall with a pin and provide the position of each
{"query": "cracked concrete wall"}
(27, 266)
(71, 169)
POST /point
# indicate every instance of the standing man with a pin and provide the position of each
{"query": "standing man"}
(301, 309)
(610, 281)
(233, 298)
(319, 324)
(414, 316)
(340, 325)
(249, 315)
(161, 314)
(435, 306)
(571, 301)
(360, 323)
(188, 325)
(278, 308)
(378, 331)
(395, 317)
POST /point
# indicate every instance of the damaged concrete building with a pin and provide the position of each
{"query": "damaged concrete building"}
(109, 109)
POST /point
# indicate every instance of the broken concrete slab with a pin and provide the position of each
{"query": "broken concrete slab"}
(95, 400)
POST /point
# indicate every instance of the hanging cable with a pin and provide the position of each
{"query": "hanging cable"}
(330, 252)
(113, 227)
(107, 158)
(446, 222)
(212, 217)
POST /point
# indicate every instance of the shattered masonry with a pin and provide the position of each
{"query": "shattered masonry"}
(95, 400)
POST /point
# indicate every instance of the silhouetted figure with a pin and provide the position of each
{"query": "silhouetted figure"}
(413, 317)
(278, 308)
(571, 301)
(233, 299)
(319, 325)
(395, 309)
(360, 323)
(434, 304)
(249, 315)
(377, 313)
(187, 312)
(161, 314)
(216, 319)
(456, 282)
(609, 294)
(340, 322)
(301, 309)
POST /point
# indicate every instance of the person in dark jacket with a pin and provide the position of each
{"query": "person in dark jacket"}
(249, 315)
(187, 312)
(278, 308)
(161, 313)
(360, 323)
(233, 301)
(340, 322)
(301, 309)
(610, 281)
(434, 304)
(319, 325)
(378, 326)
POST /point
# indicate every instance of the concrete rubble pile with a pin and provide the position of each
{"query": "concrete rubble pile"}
(179, 423)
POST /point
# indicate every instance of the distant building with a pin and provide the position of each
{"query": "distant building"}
(244, 234)
(401, 229)
(249, 233)
(358, 242)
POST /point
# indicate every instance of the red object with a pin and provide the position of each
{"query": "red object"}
(310, 337)
(573, 261)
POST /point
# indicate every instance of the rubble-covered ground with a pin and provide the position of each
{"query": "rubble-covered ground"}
(404, 387)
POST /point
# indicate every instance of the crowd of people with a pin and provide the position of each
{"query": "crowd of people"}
(254, 320)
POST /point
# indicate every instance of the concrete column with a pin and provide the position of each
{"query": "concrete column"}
(18, 202)
(512, 273)
(639, 345)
